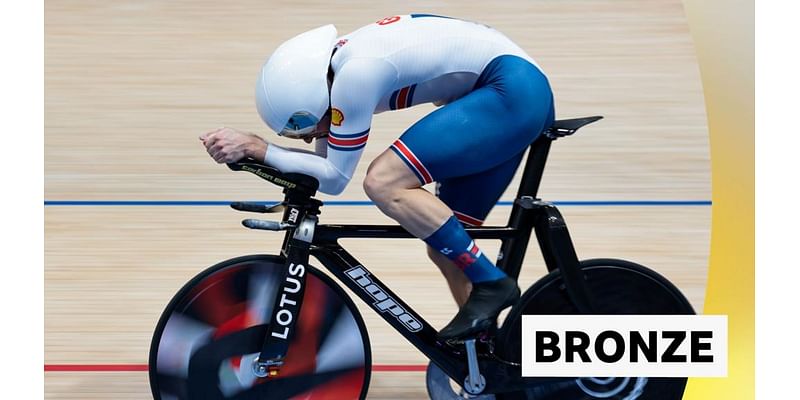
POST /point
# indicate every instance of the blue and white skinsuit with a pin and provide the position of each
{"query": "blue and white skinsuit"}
(494, 102)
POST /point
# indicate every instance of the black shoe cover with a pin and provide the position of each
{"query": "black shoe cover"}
(485, 302)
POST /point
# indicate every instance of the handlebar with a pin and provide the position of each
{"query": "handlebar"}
(255, 207)
(266, 225)
(300, 183)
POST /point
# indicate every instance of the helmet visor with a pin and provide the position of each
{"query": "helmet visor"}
(300, 124)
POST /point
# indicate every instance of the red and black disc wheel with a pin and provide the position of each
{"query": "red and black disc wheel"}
(211, 332)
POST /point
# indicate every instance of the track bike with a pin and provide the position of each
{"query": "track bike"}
(276, 327)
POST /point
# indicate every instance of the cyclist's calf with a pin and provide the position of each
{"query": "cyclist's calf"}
(459, 284)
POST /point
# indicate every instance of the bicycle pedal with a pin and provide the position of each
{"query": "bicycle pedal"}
(458, 342)
(487, 335)
(482, 337)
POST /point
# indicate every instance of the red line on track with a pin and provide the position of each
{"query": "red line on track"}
(143, 368)
(399, 368)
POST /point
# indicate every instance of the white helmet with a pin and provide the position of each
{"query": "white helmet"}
(292, 91)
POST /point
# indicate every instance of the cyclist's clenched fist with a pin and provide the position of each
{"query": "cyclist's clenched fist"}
(228, 145)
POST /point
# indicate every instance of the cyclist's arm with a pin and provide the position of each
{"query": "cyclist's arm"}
(357, 88)
(331, 179)
(320, 147)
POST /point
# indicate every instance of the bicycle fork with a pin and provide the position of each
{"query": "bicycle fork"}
(289, 296)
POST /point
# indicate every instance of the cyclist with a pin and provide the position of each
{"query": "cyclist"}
(494, 101)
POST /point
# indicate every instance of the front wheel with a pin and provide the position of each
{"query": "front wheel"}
(220, 319)
(618, 287)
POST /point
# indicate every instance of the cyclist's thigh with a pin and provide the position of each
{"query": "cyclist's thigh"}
(497, 121)
(471, 197)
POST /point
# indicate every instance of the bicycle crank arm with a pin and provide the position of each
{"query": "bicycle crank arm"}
(474, 383)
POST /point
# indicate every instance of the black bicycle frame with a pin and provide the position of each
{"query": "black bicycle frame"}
(305, 237)
(500, 375)
(526, 214)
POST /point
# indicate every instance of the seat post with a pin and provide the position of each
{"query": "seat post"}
(512, 250)
(534, 167)
(526, 207)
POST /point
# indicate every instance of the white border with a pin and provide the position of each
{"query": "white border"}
(22, 206)
(777, 275)
(777, 177)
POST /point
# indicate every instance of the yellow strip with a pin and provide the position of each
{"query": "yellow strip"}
(723, 32)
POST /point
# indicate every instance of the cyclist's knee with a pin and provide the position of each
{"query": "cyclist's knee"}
(377, 187)
(384, 182)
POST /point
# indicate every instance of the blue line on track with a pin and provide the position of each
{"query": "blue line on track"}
(175, 203)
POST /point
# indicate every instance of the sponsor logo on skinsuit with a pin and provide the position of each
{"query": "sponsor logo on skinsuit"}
(388, 20)
(336, 117)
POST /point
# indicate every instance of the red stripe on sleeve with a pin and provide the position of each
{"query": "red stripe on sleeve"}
(348, 142)
(401, 98)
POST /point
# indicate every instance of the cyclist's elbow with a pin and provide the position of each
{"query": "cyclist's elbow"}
(334, 186)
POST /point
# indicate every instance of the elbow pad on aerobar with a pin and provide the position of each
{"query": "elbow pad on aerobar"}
(331, 180)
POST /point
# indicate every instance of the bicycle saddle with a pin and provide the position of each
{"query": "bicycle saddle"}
(566, 127)
(289, 181)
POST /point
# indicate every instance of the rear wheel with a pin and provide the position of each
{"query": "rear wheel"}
(618, 287)
(221, 316)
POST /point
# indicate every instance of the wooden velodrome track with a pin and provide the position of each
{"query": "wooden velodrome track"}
(129, 85)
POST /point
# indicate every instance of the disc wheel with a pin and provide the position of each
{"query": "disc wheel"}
(618, 287)
(219, 319)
